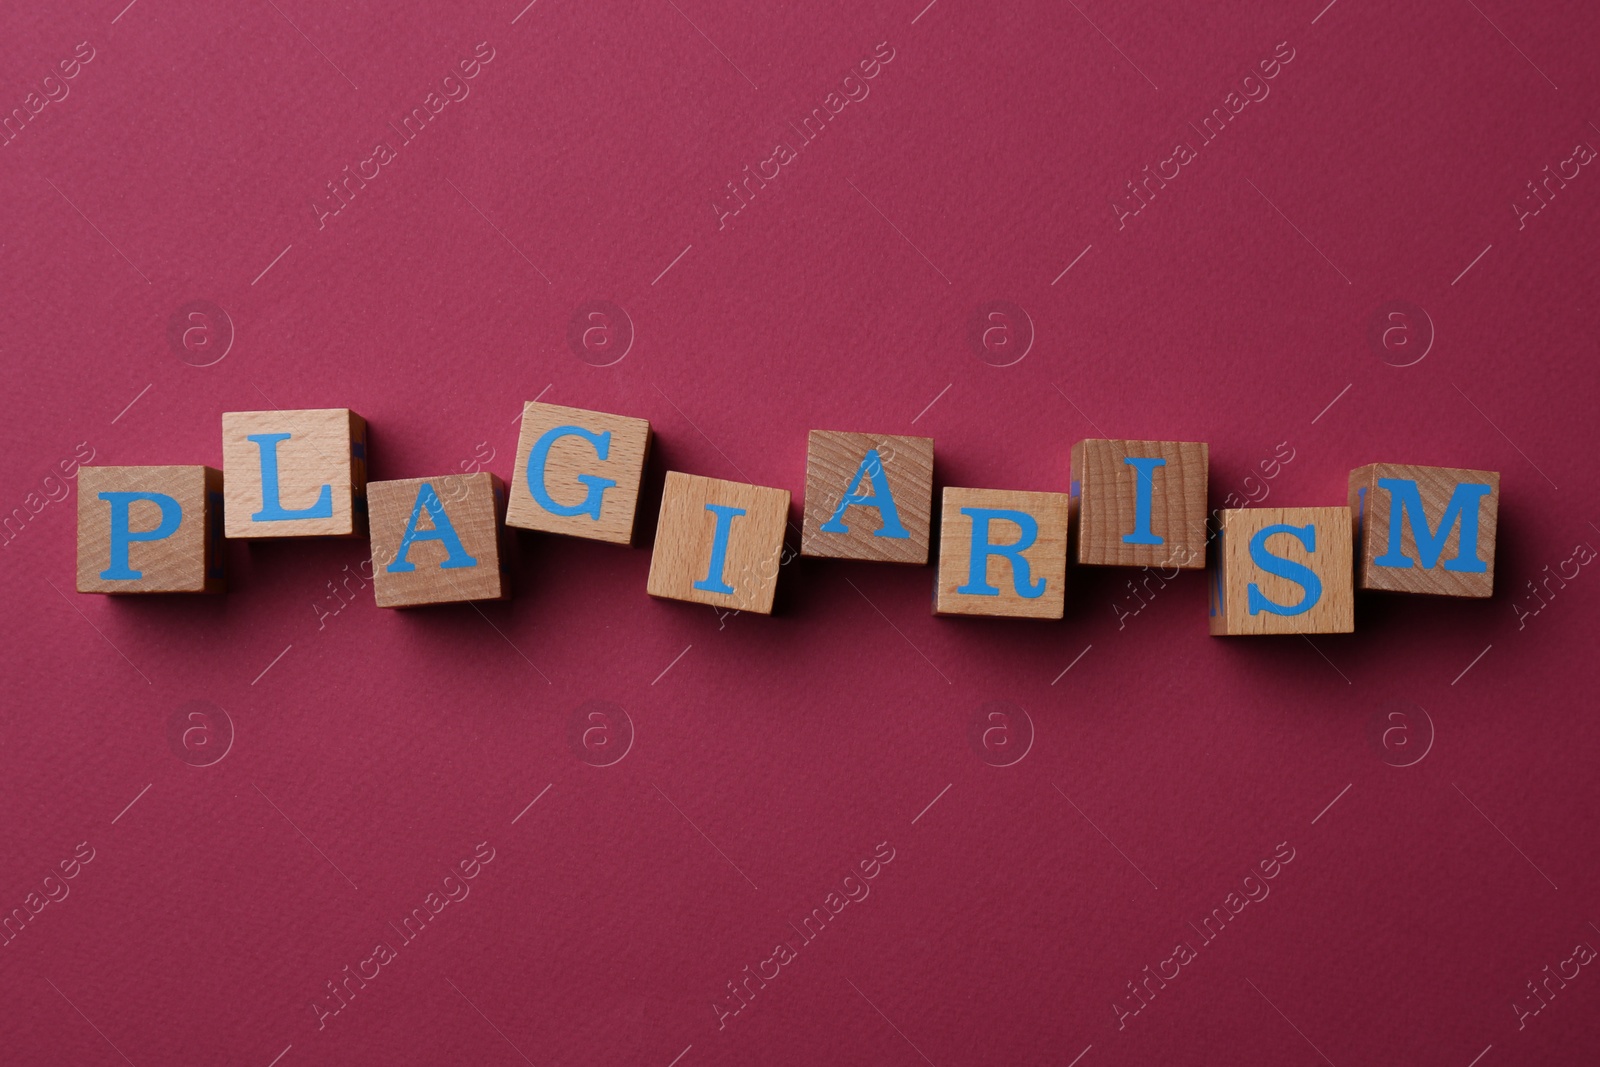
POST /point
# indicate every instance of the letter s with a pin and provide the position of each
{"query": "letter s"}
(1286, 569)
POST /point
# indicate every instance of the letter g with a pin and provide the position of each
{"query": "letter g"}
(539, 458)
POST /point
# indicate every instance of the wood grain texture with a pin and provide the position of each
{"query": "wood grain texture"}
(189, 560)
(573, 457)
(1373, 507)
(326, 446)
(686, 534)
(905, 473)
(1233, 572)
(473, 504)
(1104, 491)
(1046, 556)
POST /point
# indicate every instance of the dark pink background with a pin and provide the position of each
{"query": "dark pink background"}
(777, 752)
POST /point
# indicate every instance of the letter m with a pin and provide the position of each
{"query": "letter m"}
(1405, 499)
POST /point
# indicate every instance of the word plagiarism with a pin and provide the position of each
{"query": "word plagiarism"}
(1403, 527)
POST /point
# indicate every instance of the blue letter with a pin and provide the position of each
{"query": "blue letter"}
(1403, 494)
(539, 457)
(271, 509)
(978, 561)
(712, 582)
(121, 536)
(443, 531)
(1284, 568)
(871, 467)
(1143, 490)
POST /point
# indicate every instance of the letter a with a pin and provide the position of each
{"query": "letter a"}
(442, 531)
(881, 497)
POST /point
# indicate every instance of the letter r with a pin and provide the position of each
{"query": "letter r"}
(981, 549)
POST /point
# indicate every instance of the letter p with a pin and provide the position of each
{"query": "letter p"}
(122, 535)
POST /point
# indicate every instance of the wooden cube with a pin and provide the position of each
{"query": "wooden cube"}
(1140, 503)
(437, 540)
(1283, 571)
(868, 496)
(295, 473)
(578, 472)
(1425, 529)
(150, 530)
(718, 543)
(1002, 553)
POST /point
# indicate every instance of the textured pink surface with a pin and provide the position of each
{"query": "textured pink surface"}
(373, 751)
